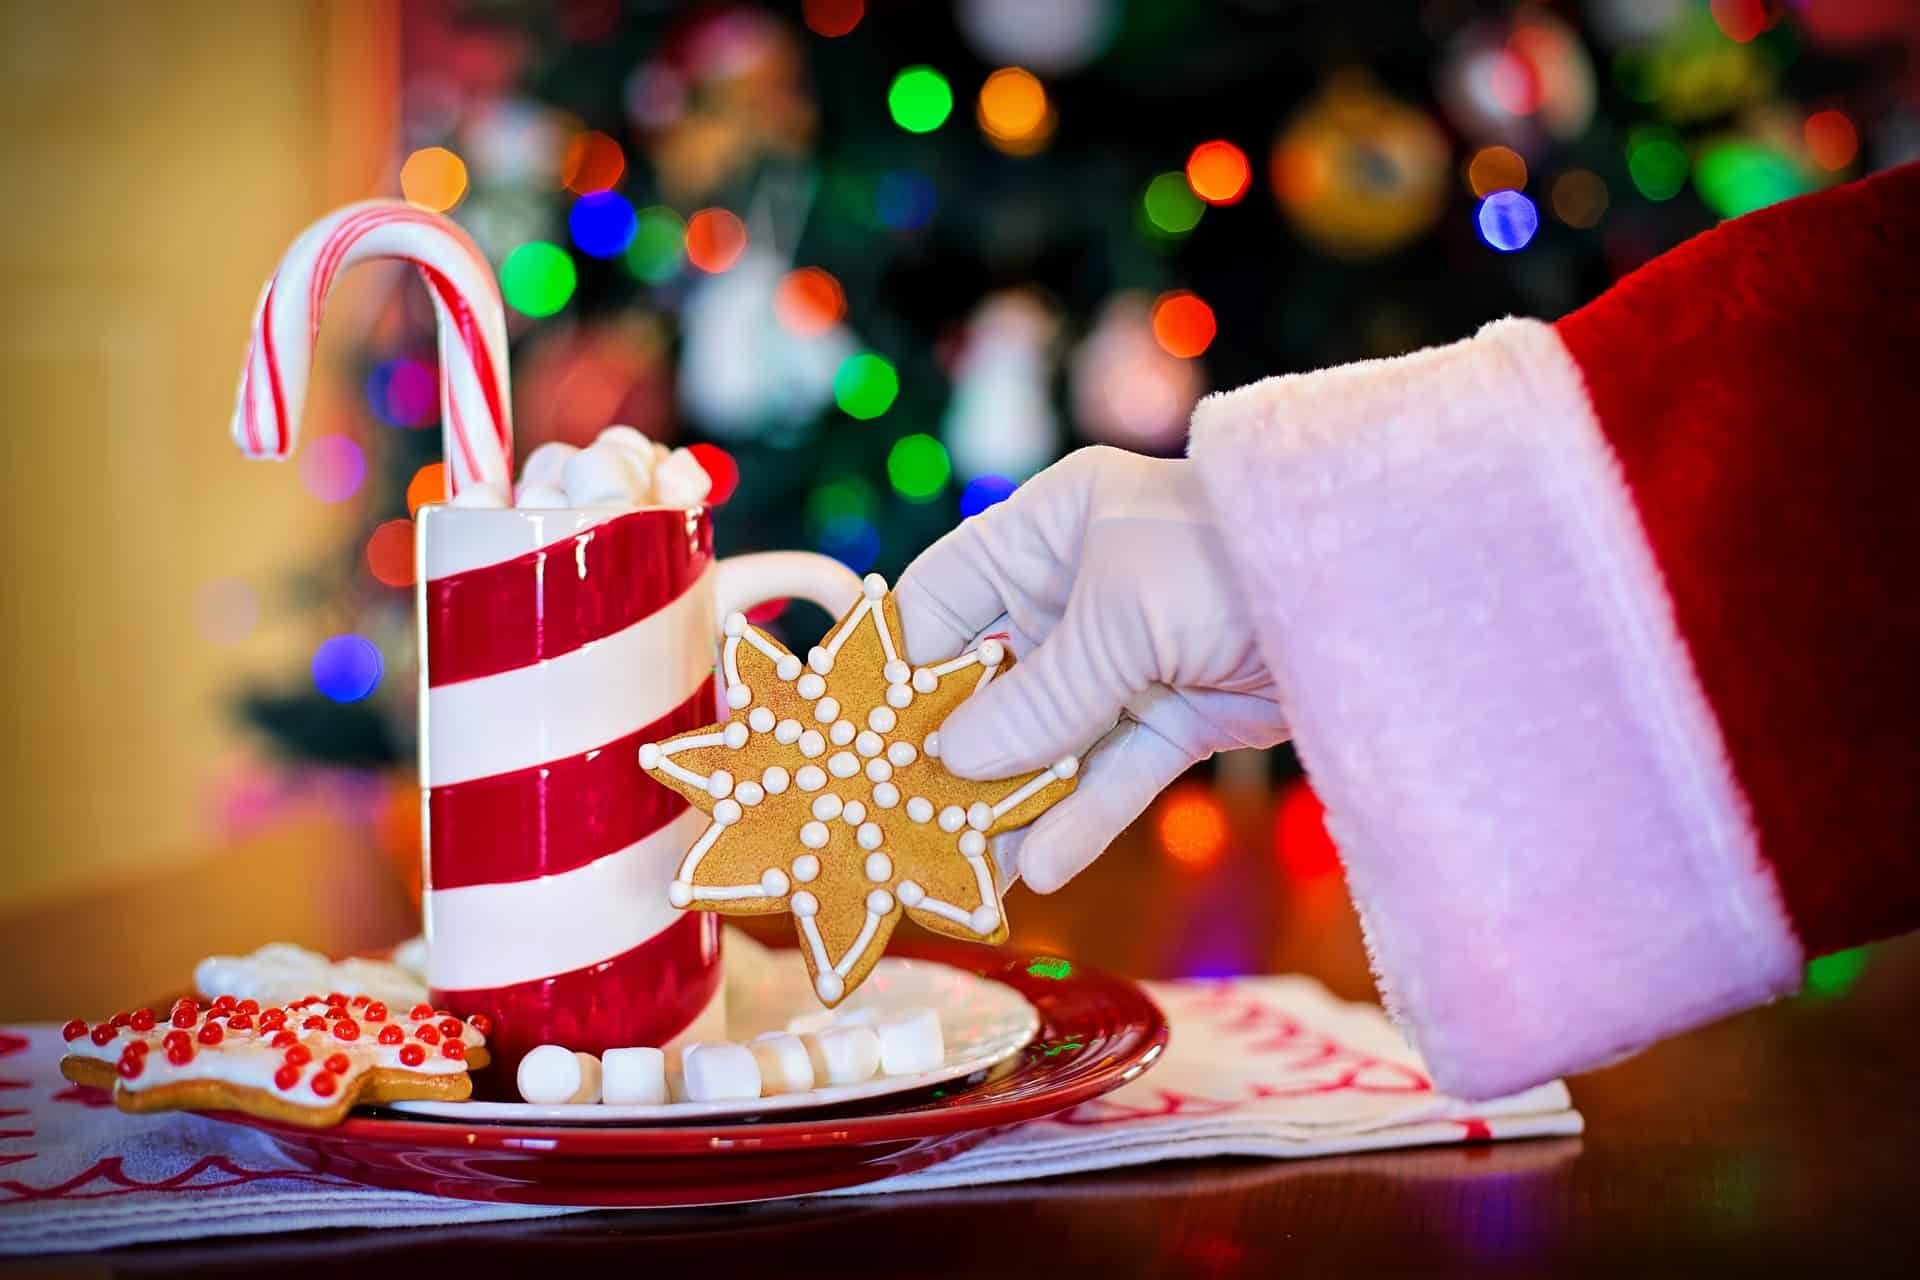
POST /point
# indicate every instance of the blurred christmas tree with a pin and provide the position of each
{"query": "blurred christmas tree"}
(887, 259)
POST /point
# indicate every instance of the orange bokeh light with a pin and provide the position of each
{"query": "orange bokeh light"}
(809, 301)
(434, 178)
(1496, 169)
(1300, 838)
(1013, 111)
(715, 240)
(833, 17)
(1183, 325)
(1192, 826)
(390, 553)
(594, 162)
(429, 484)
(1832, 140)
(1218, 172)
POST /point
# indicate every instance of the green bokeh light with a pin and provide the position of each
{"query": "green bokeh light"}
(865, 386)
(537, 278)
(1737, 177)
(919, 467)
(1171, 205)
(1657, 164)
(1834, 975)
(920, 100)
(844, 497)
(659, 245)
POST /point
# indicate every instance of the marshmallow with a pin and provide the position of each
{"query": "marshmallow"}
(784, 1064)
(801, 1024)
(541, 497)
(479, 494)
(720, 1071)
(590, 1074)
(843, 1055)
(629, 438)
(604, 475)
(549, 1075)
(636, 1076)
(680, 481)
(911, 1042)
(544, 465)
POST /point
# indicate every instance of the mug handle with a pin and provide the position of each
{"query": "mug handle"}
(741, 582)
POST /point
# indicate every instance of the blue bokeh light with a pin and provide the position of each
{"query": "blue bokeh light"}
(1507, 220)
(852, 541)
(602, 224)
(903, 200)
(982, 492)
(347, 668)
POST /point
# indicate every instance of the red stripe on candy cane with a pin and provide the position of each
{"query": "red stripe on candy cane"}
(478, 353)
(281, 434)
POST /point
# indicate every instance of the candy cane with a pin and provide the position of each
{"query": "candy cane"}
(475, 411)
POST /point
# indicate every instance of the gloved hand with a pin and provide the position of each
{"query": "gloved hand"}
(1112, 580)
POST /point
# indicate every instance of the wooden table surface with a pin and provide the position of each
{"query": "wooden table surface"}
(1782, 1140)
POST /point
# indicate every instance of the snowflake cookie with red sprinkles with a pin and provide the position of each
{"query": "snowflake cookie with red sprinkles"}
(307, 1063)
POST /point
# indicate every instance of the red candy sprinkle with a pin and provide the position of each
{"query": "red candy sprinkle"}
(391, 1034)
(239, 1022)
(131, 1063)
(315, 1023)
(413, 1055)
(273, 1019)
(75, 1029)
(210, 1033)
(142, 1020)
(482, 1023)
(450, 1027)
(338, 1063)
(119, 1019)
(105, 1032)
(224, 1003)
(185, 1015)
(425, 1033)
(454, 1049)
(173, 1038)
(140, 1047)
(324, 1084)
(248, 1006)
(180, 1054)
(334, 997)
(186, 1002)
(287, 1076)
(299, 1055)
(359, 1000)
(421, 1012)
(282, 1039)
(375, 1012)
(346, 1029)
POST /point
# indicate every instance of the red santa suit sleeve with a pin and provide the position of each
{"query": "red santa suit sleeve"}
(1601, 639)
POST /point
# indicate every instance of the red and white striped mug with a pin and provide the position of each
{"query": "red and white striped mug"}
(553, 643)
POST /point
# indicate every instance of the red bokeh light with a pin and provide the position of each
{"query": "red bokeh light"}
(390, 553)
(1300, 838)
(715, 240)
(1218, 172)
(720, 468)
(1832, 140)
(833, 17)
(1183, 325)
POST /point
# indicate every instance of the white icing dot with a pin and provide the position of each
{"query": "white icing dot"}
(679, 893)
(1066, 766)
(738, 696)
(826, 709)
(932, 746)
(879, 902)
(898, 696)
(786, 732)
(810, 686)
(820, 660)
(924, 681)
(736, 624)
(901, 754)
(979, 815)
(649, 755)
(886, 795)
(805, 868)
(734, 735)
(726, 812)
(775, 780)
(804, 903)
(760, 720)
(992, 653)
(826, 807)
(879, 868)
(812, 744)
(897, 672)
(787, 667)
(774, 881)
(814, 836)
(984, 919)
(841, 733)
(855, 813)
(830, 986)
(952, 818)
(878, 770)
(868, 743)
(874, 585)
(843, 764)
(869, 835)
(749, 793)
(719, 783)
(882, 719)
(910, 893)
(972, 843)
(811, 777)
(920, 809)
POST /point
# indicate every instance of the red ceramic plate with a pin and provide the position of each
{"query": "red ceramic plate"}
(1097, 1031)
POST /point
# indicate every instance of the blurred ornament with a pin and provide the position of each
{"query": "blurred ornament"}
(865, 386)
(1000, 420)
(983, 492)
(515, 142)
(1520, 82)
(1126, 389)
(1742, 20)
(1055, 36)
(1300, 836)
(602, 224)
(1656, 162)
(741, 370)
(903, 200)
(1359, 173)
(572, 381)
(332, 467)
(1014, 113)
(1170, 206)
(346, 668)
(390, 553)
(659, 246)
(1693, 72)
(537, 278)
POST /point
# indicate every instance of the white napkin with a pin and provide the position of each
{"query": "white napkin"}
(1256, 1066)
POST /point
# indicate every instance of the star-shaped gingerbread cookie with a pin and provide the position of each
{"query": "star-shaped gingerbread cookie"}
(828, 798)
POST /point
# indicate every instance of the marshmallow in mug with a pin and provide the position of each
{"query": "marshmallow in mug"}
(621, 468)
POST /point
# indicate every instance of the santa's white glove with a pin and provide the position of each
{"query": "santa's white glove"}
(1110, 576)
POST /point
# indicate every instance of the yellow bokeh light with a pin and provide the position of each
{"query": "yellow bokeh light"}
(434, 178)
(1013, 111)
(1496, 169)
